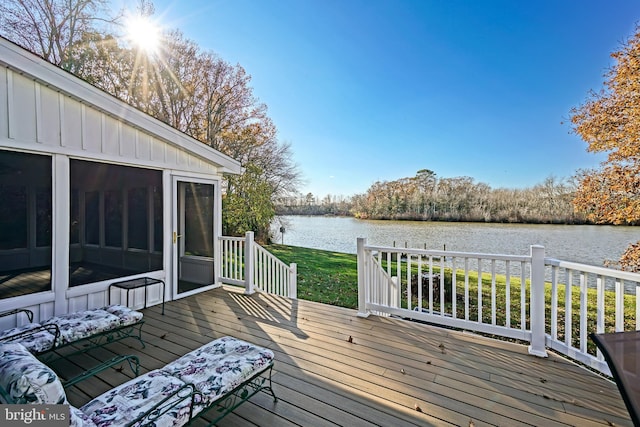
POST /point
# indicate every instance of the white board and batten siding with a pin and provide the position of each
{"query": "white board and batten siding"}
(45, 110)
(38, 119)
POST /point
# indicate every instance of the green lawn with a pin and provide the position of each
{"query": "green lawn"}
(323, 276)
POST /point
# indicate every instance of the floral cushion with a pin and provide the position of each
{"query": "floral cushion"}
(77, 418)
(27, 380)
(128, 401)
(126, 315)
(213, 369)
(220, 366)
(37, 341)
(82, 324)
(74, 326)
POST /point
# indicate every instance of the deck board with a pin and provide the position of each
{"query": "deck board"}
(380, 376)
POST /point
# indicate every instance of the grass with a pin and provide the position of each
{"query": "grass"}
(323, 276)
(331, 278)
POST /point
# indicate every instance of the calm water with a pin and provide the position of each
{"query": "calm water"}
(588, 244)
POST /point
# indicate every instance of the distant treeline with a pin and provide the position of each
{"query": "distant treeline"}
(425, 197)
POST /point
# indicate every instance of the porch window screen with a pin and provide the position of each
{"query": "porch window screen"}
(13, 216)
(25, 223)
(138, 218)
(113, 219)
(120, 224)
(92, 217)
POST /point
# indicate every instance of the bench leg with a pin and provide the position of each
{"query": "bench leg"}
(269, 388)
(241, 394)
(139, 337)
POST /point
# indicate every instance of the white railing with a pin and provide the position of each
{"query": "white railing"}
(596, 300)
(246, 263)
(272, 275)
(531, 298)
(232, 264)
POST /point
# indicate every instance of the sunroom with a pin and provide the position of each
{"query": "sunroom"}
(94, 191)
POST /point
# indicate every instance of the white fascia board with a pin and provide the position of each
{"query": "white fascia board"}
(29, 64)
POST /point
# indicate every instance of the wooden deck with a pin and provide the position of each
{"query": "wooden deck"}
(333, 368)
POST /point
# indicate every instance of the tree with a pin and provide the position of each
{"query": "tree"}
(248, 204)
(50, 28)
(609, 122)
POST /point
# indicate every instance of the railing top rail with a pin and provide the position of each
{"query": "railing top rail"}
(587, 268)
(270, 255)
(441, 253)
(237, 239)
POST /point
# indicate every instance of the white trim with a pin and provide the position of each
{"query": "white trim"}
(137, 143)
(167, 226)
(16, 145)
(119, 140)
(174, 227)
(27, 300)
(61, 106)
(103, 133)
(83, 126)
(60, 205)
(11, 111)
(196, 291)
(38, 104)
(217, 232)
(196, 176)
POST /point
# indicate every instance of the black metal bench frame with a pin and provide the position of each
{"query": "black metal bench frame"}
(223, 406)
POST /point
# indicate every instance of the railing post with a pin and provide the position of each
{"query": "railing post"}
(362, 299)
(391, 295)
(293, 280)
(248, 263)
(537, 313)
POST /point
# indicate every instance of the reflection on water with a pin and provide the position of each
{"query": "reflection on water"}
(588, 244)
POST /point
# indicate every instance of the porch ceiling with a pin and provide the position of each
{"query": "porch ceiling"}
(333, 368)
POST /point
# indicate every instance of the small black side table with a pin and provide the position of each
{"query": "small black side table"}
(140, 282)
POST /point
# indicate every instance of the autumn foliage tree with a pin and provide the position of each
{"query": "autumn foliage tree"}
(51, 28)
(609, 122)
(427, 197)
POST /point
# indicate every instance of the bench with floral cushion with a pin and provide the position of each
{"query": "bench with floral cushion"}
(213, 379)
(88, 329)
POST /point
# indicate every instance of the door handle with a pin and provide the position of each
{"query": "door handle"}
(175, 237)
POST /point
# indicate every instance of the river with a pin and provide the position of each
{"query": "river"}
(587, 244)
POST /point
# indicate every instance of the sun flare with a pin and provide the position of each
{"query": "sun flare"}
(143, 33)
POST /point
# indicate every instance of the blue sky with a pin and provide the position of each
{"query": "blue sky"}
(368, 90)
